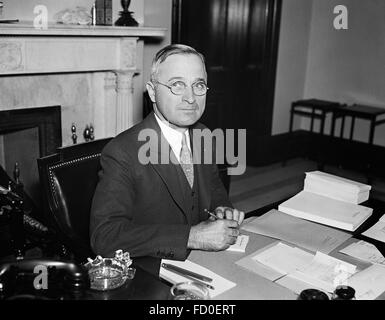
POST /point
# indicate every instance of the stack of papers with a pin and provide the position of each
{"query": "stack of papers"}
(364, 251)
(306, 234)
(325, 272)
(369, 283)
(317, 271)
(336, 187)
(240, 244)
(283, 258)
(219, 283)
(325, 210)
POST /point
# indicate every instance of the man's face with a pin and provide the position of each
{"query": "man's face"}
(183, 110)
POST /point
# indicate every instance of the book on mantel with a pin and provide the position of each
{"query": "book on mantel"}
(325, 210)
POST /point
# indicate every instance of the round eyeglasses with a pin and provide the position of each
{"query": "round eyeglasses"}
(178, 88)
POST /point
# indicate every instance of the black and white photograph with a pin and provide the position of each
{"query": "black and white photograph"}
(226, 151)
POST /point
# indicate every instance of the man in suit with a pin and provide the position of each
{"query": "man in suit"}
(158, 209)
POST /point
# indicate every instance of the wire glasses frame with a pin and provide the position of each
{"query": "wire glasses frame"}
(199, 88)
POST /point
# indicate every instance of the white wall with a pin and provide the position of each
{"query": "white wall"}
(292, 60)
(157, 13)
(349, 65)
(317, 61)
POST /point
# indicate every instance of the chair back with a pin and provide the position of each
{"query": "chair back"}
(68, 179)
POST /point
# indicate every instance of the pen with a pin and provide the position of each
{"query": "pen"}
(186, 272)
(212, 214)
(188, 277)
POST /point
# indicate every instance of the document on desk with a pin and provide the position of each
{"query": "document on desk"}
(240, 245)
(364, 251)
(368, 283)
(284, 258)
(219, 283)
(377, 231)
(325, 272)
(255, 262)
(327, 211)
(306, 234)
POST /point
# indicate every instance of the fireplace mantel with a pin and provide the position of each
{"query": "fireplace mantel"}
(25, 50)
(26, 29)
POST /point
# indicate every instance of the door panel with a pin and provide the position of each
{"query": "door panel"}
(239, 39)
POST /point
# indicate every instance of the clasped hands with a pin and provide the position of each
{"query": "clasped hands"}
(219, 233)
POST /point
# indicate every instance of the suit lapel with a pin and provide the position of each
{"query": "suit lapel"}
(168, 172)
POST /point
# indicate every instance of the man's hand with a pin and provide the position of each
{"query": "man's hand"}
(230, 214)
(213, 235)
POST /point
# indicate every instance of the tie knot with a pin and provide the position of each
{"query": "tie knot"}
(184, 140)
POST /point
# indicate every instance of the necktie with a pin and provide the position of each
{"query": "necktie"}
(186, 161)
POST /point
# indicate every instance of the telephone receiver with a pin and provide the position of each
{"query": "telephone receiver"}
(42, 279)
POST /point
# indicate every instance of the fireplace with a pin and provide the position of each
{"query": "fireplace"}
(88, 71)
(25, 135)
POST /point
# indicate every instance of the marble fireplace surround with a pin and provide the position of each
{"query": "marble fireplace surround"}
(109, 52)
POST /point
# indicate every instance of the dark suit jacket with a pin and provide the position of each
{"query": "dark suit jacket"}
(142, 209)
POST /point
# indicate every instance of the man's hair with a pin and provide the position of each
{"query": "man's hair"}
(169, 50)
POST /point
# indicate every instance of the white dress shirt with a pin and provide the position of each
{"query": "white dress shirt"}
(173, 137)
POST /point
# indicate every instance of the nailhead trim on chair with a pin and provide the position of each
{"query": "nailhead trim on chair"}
(69, 163)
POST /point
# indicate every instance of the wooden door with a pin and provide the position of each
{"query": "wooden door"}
(239, 39)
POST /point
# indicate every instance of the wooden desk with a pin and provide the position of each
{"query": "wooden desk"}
(251, 286)
(145, 286)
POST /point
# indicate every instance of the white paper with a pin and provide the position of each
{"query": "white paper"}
(338, 182)
(377, 231)
(369, 283)
(240, 245)
(260, 269)
(325, 272)
(305, 234)
(219, 283)
(321, 209)
(283, 258)
(364, 251)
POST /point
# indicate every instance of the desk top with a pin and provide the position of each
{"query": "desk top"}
(251, 286)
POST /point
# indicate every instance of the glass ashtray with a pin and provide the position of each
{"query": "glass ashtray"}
(110, 273)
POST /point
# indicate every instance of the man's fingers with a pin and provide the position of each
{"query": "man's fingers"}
(236, 215)
(232, 224)
(241, 217)
(229, 214)
(211, 218)
(219, 212)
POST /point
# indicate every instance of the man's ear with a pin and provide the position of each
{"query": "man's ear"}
(151, 91)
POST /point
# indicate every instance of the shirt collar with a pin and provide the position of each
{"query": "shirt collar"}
(173, 137)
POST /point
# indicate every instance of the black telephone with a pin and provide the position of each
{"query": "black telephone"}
(23, 279)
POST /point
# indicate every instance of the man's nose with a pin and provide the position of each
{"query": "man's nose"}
(188, 95)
